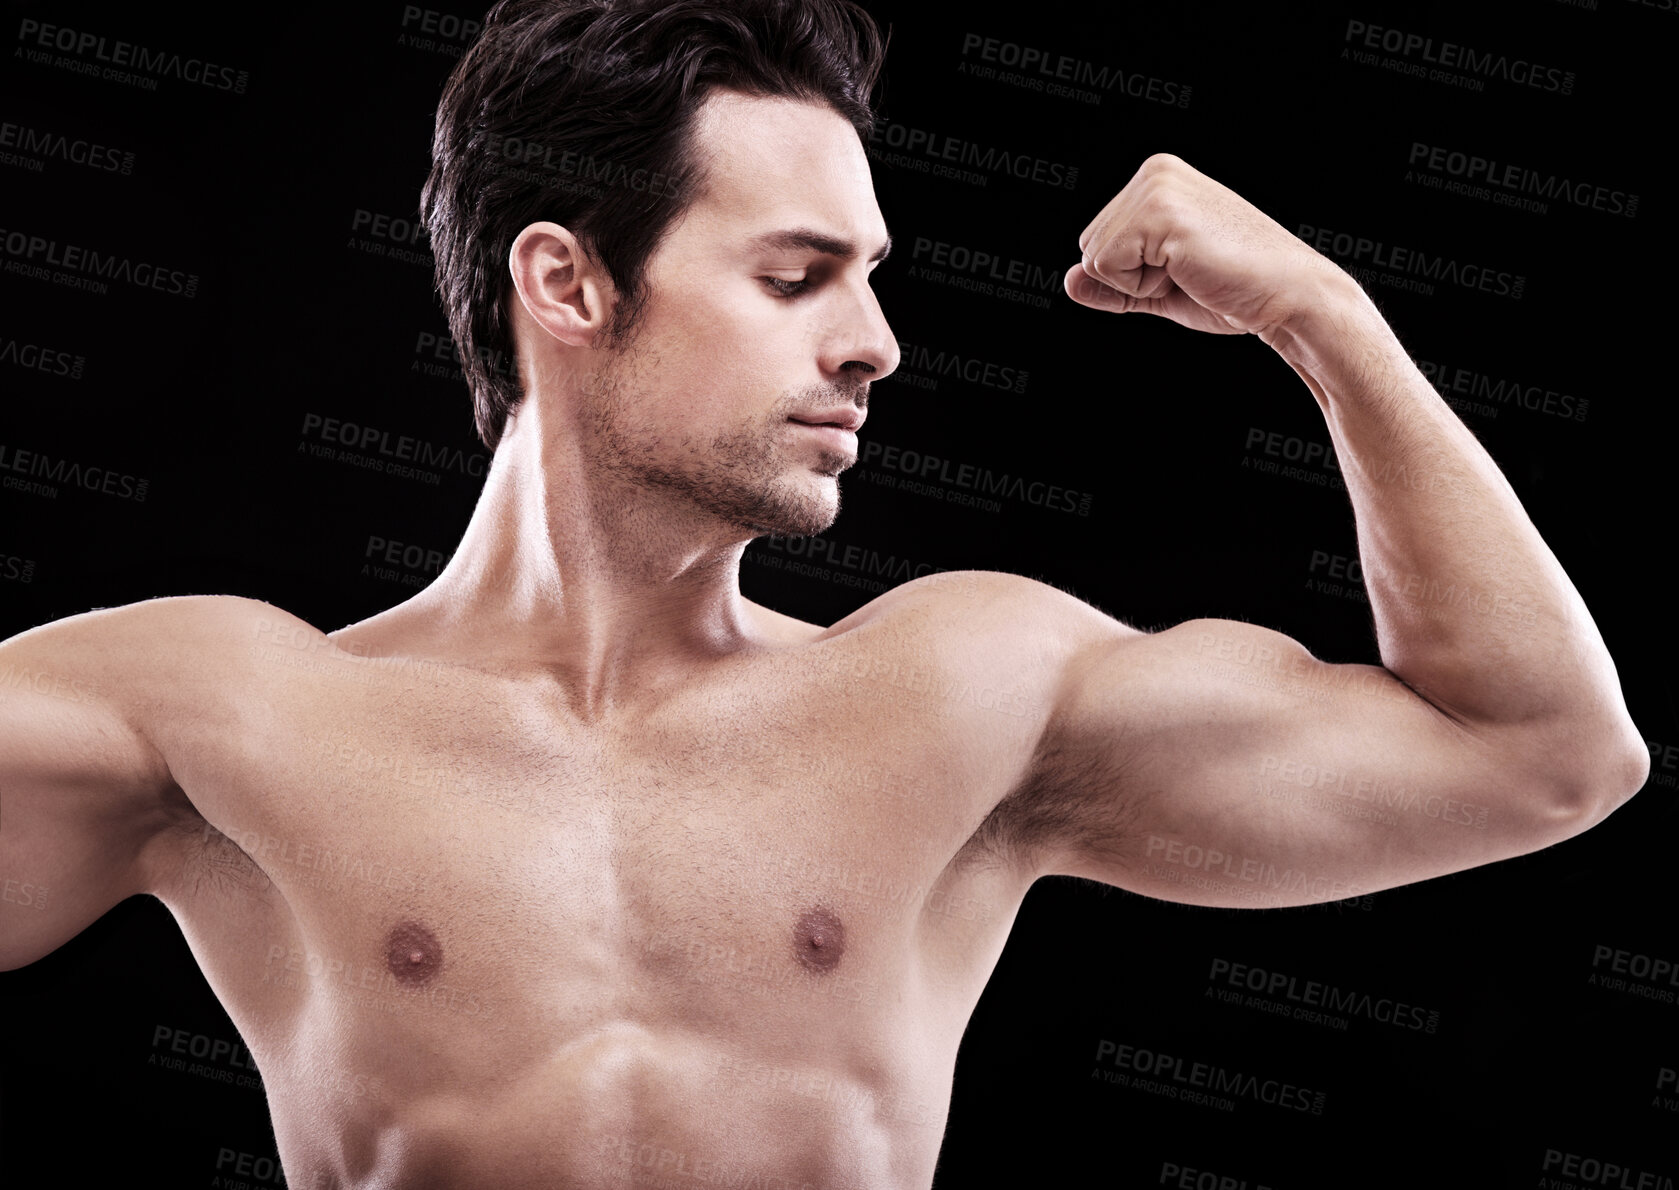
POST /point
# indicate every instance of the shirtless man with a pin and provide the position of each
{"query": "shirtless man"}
(580, 870)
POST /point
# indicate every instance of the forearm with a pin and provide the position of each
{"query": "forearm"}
(1471, 608)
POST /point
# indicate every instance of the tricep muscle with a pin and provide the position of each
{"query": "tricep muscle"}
(1219, 763)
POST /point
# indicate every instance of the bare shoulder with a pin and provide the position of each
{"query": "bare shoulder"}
(105, 717)
(988, 639)
(142, 651)
(181, 677)
(1007, 655)
(995, 610)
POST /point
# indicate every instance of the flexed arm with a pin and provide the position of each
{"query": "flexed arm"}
(1222, 739)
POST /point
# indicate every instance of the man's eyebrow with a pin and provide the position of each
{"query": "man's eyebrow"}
(791, 239)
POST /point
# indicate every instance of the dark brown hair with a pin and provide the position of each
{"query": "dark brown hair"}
(582, 112)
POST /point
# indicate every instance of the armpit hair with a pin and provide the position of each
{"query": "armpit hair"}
(1068, 801)
(216, 866)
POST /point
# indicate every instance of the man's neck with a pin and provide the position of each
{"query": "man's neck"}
(612, 589)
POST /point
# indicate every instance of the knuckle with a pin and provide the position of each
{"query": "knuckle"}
(1163, 201)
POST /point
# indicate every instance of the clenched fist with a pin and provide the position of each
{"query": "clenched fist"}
(1174, 242)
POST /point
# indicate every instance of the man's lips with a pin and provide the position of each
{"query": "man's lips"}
(849, 418)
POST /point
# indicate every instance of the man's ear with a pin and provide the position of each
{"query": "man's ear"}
(560, 285)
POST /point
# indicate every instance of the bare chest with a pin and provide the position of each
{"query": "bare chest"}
(756, 855)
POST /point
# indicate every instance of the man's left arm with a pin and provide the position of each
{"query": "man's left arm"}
(1495, 689)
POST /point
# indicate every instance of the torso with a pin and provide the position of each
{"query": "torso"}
(730, 938)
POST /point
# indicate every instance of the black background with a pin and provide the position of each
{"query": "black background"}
(206, 399)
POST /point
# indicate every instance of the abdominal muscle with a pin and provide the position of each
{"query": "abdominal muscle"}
(622, 1104)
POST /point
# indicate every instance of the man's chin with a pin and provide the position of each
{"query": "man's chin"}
(794, 526)
(804, 514)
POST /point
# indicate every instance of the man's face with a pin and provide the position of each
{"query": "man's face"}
(742, 334)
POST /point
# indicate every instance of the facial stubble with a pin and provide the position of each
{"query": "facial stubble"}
(742, 476)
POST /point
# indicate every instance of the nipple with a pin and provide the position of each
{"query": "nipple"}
(819, 939)
(412, 953)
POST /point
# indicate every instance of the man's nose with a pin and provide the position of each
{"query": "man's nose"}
(868, 344)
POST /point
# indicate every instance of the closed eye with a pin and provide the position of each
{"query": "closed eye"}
(787, 289)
